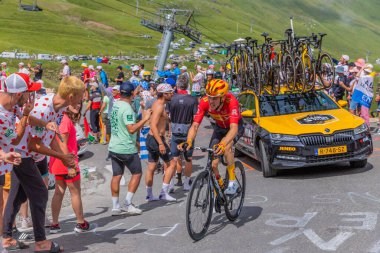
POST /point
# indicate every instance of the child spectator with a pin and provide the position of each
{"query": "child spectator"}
(68, 177)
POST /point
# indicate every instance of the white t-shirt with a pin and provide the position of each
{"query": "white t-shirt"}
(24, 70)
(7, 134)
(44, 110)
(197, 82)
(66, 71)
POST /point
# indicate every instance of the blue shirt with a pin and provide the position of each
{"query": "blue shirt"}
(103, 78)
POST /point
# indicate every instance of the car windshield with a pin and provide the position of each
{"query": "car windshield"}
(295, 103)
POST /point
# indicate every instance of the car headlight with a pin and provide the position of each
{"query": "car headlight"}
(361, 129)
(283, 137)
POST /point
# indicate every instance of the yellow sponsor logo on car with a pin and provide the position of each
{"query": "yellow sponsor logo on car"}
(292, 149)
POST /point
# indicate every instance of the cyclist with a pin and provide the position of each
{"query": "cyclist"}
(223, 107)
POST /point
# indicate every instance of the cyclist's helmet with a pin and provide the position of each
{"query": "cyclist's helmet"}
(217, 88)
(146, 73)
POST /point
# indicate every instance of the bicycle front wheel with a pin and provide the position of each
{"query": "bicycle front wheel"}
(199, 206)
(325, 71)
(234, 204)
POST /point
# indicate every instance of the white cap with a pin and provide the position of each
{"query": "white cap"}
(91, 67)
(21, 64)
(3, 63)
(94, 84)
(168, 66)
(99, 67)
(116, 87)
(368, 68)
(164, 88)
(135, 68)
(345, 57)
(183, 68)
(63, 62)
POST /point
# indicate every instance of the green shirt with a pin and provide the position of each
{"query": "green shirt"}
(122, 142)
(106, 101)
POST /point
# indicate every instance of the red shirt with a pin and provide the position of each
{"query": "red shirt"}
(184, 92)
(228, 114)
(86, 74)
(56, 166)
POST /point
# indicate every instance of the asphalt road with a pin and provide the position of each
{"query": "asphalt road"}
(332, 209)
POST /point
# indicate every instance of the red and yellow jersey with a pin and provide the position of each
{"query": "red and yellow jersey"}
(228, 114)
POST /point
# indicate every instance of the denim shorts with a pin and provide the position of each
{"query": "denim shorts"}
(353, 105)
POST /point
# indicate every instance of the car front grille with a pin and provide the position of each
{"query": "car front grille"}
(327, 158)
(324, 140)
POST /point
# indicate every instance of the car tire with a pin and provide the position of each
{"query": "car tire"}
(237, 153)
(267, 170)
(358, 164)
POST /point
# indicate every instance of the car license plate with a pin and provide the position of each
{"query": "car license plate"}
(331, 150)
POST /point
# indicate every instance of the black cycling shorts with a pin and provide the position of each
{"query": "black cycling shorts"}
(120, 161)
(219, 133)
(154, 150)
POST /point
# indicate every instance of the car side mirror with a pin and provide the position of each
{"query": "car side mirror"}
(249, 114)
(342, 103)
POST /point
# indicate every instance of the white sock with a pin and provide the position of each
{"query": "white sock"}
(149, 191)
(186, 179)
(128, 199)
(115, 202)
(165, 188)
(172, 183)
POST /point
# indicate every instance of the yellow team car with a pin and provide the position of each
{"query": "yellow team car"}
(293, 130)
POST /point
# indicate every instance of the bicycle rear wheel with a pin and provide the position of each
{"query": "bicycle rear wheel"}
(199, 206)
(309, 73)
(289, 72)
(300, 74)
(234, 204)
(256, 77)
(325, 71)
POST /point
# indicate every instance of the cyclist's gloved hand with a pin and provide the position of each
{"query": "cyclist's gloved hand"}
(219, 148)
(185, 145)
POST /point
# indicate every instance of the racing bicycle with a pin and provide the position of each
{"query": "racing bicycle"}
(206, 194)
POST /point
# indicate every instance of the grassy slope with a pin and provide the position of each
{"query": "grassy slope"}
(352, 26)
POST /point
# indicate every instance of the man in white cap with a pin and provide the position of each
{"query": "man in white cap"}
(65, 71)
(135, 79)
(22, 69)
(102, 76)
(164, 73)
(157, 146)
(28, 184)
(344, 62)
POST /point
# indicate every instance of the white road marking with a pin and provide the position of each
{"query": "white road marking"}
(114, 226)
(133, 227)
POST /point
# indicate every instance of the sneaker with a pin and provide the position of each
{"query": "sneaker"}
(82, 228)
(26, 224)
(132, 210)
(167, 197)
(55, 229)
(117, 212)
(187, 185)
(24, 237)
(151, 198)
(232, 188)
